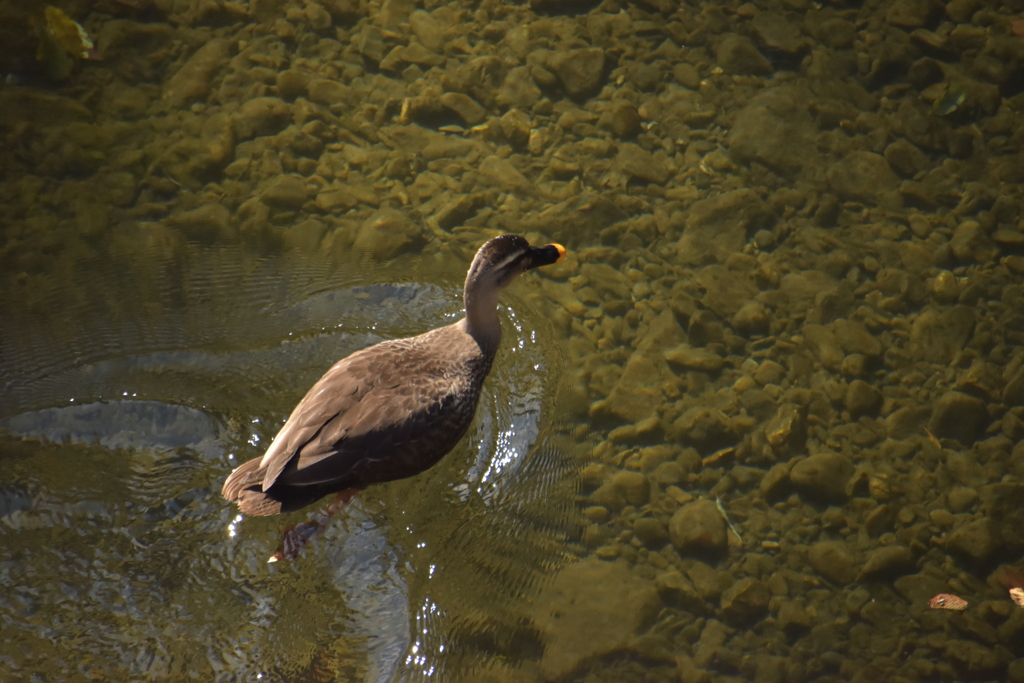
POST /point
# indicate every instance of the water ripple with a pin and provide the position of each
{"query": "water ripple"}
(115, 543)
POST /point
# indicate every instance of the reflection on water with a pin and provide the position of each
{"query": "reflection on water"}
(119, 425)
(124, 561)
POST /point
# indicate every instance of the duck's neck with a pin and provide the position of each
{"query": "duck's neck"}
(481, 321)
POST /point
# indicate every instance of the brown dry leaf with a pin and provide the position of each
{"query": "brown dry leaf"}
(949, 601)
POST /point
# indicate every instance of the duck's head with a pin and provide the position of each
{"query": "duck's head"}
(503, 258)
(496, 265)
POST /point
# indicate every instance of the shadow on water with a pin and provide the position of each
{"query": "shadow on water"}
(125, 561)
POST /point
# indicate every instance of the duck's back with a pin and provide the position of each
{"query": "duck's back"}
(386, 412)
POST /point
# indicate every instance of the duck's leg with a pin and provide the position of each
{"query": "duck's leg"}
(295, 537)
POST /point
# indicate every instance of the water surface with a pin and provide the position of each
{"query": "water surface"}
(123, 559)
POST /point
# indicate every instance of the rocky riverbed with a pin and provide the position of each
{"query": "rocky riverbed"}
(793, 310)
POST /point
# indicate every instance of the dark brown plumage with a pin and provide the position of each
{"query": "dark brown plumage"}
(391, 410)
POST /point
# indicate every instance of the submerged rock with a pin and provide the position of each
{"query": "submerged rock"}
(640, 164)
(823, 476)
(388, 233)
(633, 487)
(636, 395)
(466, 107)
(591, 609)
(737, 55)
(651, 532)
(975, 541)
(863, 176)
(580, 71)
(208, 223)
(833, 561)
(787, 430)
(938, 334)
(518, 90)
(285, 192)
(745, 601)
(699, 528)
(911, 14)
(260, 116)
(193, 81)
(774, 32)
(705, 428)
(886, 563)
(959, 416)
(718, 226)
(775, 129)
(862, 398)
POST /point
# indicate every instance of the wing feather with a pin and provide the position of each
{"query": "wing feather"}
(374, 403)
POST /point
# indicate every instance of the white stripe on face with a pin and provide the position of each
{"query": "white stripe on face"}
(508, 260)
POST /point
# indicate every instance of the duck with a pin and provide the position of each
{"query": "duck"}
(394, 409)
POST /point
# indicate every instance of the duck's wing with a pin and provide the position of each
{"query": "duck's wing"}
(365, 406)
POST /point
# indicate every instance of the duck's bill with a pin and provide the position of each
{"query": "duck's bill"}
(546, 255)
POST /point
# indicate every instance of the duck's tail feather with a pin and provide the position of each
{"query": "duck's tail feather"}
(244, 487)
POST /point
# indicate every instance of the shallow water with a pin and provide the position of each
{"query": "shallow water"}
(770, 405)
(125, 561)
